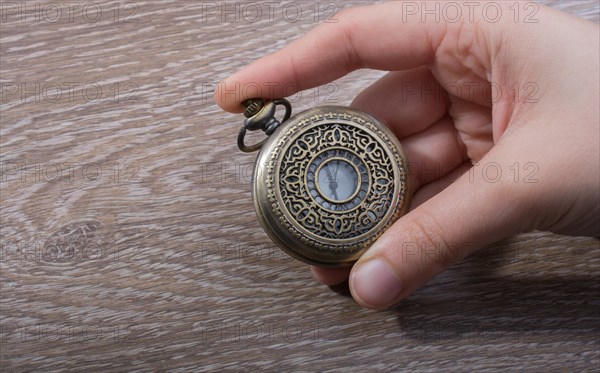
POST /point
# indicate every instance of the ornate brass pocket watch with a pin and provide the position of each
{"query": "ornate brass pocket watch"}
(327, 182)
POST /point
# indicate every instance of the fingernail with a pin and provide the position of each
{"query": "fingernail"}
(375, 283)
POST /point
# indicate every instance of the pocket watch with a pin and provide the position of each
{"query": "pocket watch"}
(327, 181)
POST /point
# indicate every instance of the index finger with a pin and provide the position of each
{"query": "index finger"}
(373, 36)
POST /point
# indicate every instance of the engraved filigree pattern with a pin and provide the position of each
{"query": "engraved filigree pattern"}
(353, 228)
(314, 217)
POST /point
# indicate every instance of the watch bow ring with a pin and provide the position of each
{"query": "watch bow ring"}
(327, 181)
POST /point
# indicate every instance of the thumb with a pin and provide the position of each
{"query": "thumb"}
(477, 209)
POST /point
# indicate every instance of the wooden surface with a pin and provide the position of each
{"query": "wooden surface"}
(129, 241)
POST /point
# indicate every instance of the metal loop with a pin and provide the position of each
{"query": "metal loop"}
(268, 128)
(248, 149)
(287, 105)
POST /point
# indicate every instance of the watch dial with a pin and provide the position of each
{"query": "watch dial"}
(337, 180)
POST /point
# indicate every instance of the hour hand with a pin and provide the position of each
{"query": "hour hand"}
(335, 195)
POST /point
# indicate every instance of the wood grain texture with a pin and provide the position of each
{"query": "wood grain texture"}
(129, 242)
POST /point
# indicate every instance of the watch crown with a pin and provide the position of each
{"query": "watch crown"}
(260, 115)
(252, 106)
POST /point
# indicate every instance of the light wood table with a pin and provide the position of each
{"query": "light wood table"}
(129, 241)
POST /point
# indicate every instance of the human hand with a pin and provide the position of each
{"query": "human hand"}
(514, 137)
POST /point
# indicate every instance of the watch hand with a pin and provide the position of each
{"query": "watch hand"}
(333, 187)
(329, 173)
(337, 165)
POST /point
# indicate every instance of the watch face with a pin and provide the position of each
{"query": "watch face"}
(337, 182)
(337, 179)
(328, 183)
